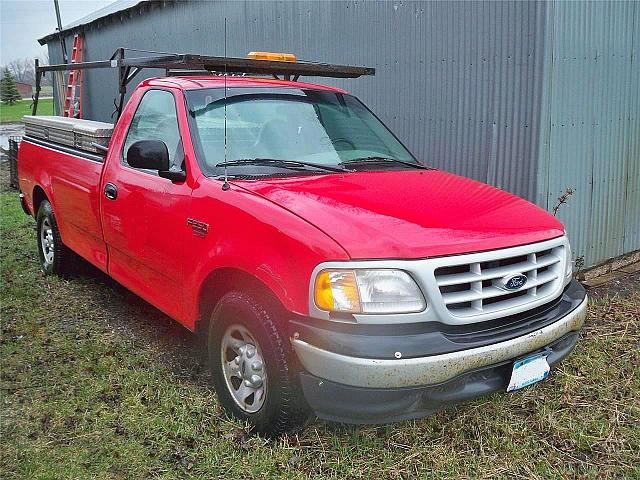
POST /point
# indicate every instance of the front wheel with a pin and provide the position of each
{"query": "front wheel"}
(253, 368)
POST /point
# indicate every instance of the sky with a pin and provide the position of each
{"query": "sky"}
(22, 22)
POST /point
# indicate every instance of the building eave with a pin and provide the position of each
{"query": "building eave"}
(119, 9)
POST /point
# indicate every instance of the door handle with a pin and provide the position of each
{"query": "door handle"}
(111, 191)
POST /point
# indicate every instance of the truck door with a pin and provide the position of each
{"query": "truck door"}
(143, 215)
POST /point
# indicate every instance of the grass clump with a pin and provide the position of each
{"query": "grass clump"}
(96, 383)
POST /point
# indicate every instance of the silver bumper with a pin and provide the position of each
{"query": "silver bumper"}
(374, 373)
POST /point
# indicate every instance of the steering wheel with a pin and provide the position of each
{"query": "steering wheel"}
(343, 140)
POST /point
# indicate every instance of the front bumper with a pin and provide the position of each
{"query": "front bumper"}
(353, 389)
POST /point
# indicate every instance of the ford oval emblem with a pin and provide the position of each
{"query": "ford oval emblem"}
(514, 282)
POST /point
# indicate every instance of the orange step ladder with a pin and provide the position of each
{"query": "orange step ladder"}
(73, 100)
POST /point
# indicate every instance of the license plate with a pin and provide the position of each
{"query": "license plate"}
(527, 371)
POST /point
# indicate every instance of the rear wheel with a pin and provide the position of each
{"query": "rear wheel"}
(253, 368)
(55, 258)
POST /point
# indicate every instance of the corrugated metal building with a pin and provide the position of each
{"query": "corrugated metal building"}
(533, 97)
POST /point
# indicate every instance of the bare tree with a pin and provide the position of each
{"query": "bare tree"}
(23, 69)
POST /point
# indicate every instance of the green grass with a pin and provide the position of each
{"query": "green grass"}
(95, 383)
(14, 113)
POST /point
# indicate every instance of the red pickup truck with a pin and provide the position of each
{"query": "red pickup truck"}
(329, 269)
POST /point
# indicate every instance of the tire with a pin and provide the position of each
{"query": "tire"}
(277, 406)
(55, 258)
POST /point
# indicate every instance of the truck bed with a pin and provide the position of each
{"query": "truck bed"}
(69, 177)
(73, 132)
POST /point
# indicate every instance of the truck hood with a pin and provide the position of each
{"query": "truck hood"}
(409, 213)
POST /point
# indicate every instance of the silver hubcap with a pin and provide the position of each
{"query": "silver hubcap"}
(46, 241)
(243, 368)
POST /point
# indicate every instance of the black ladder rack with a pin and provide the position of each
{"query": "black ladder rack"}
(186, 63)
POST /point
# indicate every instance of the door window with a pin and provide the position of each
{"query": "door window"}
(157, 119)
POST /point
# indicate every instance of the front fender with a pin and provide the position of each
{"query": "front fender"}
(252, 234)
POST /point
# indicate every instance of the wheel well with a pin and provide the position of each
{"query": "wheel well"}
(225, 280)
(38, 197)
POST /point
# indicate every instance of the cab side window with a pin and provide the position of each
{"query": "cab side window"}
(157, 119)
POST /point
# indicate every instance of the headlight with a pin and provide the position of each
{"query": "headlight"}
(367, 291)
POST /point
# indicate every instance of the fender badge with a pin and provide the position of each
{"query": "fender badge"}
(199, 229)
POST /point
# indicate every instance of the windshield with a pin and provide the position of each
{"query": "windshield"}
(313, 126)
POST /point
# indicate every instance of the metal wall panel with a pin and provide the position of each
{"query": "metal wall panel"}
(532, 97)
(591, 114)
(632, 193)
(458, 82)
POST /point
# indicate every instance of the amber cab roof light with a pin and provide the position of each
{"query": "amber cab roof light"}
(272, 56)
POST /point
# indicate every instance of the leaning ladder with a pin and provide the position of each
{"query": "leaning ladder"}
(73, 102)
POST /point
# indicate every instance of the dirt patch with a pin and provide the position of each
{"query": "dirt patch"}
(624, 287)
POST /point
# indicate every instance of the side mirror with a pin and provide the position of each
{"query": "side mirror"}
(149, 154)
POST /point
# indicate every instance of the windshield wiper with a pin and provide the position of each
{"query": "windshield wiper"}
(291, 164)
(377, 159)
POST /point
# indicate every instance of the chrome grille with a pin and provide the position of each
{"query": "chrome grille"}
(471, 289)
(462, 289)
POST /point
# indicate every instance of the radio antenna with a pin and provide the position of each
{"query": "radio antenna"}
(225, 185)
